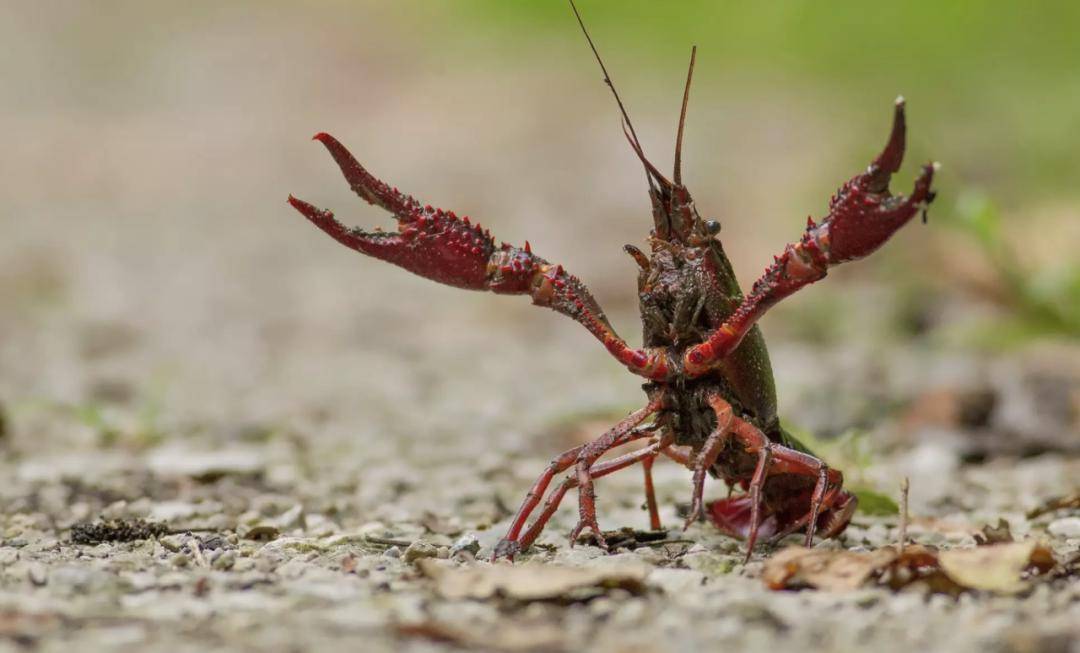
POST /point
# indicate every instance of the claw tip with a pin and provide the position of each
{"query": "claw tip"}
(935, 165)
(321, 137)
(900, 101)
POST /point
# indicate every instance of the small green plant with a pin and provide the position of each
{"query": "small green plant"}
(853, 452)
(1041, 302)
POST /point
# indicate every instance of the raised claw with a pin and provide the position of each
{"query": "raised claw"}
(431, 243)
(439, 245)
(364, 184)
(863, 214)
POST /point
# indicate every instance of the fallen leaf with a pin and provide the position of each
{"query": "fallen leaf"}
(1056, 503)
(530, 582)
(798, 567)
(838, 571)
(1003, 568)
(994, 534)
(999, 568)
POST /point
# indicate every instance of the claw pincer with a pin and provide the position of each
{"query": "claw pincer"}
(862, 215)
(440, 246)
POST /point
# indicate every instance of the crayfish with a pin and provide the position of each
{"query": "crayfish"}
(710, 391)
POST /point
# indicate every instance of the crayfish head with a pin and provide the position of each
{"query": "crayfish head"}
(676, 218)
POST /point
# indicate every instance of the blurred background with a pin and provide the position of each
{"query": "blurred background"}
(156, 290)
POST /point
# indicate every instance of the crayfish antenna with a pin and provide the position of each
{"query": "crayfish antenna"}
(635, 143)
(677, 175)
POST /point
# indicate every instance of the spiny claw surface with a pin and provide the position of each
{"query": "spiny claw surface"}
(438, 245)
(863, 214)
(432, 243)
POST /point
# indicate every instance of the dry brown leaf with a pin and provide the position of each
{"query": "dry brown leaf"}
(529, 582)
(1057, 503)
(797, 567)
(999, 568)
(1002, 568)
(994, 534)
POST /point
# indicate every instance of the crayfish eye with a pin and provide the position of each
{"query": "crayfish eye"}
(712, 226)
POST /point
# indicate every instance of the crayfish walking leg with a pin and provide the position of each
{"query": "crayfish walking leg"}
(583, 457)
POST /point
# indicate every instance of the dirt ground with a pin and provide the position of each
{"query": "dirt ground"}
(313, 428)
(303, 460)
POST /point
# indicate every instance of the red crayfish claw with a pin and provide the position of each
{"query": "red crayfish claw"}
(863, 214)
(430, 242)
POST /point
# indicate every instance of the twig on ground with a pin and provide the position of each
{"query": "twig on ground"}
(905, 485)
(386, 541)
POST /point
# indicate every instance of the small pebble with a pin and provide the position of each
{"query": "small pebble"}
(225, 561)
(180, 560)
(172, 542)
(37, 575)
(1065, 527)
(392, 552)
(420, 549)
(467, 543)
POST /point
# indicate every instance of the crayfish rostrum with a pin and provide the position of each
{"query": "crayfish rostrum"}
(710, 390)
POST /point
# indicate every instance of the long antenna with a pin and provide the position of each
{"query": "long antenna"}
(682, 118)
(607, 77)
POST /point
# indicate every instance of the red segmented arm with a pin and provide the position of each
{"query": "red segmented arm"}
(438, 245)
(862, 216)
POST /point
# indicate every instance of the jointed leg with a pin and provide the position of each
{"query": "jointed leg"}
(559, 464)
(756, 483)
(597, 471)
(707, 456)
(586, 491)
(775, 459)
(841, 507)
(682, 455)
(619, 433)
(650, 492)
